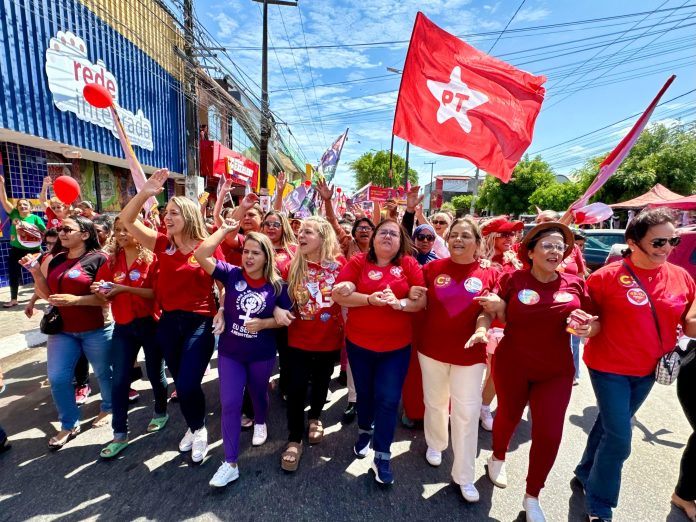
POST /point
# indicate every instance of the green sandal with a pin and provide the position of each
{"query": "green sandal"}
(113, 449)
(157, 424)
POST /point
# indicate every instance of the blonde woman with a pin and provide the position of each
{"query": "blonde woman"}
(185, 292)
(315, 336)
(127, 282)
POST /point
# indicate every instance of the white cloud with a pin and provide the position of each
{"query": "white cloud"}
(533, 14)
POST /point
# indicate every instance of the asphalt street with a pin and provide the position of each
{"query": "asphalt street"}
(151, 480)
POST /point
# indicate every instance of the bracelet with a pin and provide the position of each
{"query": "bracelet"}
(368, 300)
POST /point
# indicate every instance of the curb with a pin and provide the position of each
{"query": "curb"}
(18, 342)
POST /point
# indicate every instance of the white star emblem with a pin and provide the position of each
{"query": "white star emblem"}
(455, 99)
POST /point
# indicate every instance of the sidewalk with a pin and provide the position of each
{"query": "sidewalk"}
(17, 331)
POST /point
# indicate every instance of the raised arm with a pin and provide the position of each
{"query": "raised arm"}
(129, 215)
(326, 193)
(43, 195)
(3, 197)
(204, 254)
(226, 187)
(281, 182)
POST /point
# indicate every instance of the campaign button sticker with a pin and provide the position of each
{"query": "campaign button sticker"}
(134, 275)
(240, 286)
(75, 272)
(528, 297)
(193, 262)
(473, 285)
(562, 297)
(626, 280)
(119, 277)
(443, 280)
(325, 317)
(375, 275)
(396, 271)
(636, 296)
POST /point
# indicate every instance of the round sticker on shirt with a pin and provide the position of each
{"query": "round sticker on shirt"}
(170, 250)
(325, 317)
(55, 222)
(396, 271)
(626, 280)
(375, 275)
(636, 296)
(473, 285)
(134, 275)
(528, 297)
(240, 286)
(562, 297)
(443, 280)
(192, 261)
(119, 277)
(75, 272)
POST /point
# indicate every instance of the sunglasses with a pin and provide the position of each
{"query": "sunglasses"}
(662, 241)
(439, 223)
(425, 237)
(272, 224)
(548, 247)
(66, 229)
(506, 234)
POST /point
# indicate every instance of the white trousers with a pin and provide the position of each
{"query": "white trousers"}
(461, 385)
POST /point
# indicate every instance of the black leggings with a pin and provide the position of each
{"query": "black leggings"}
(686, 391)
(15, 270)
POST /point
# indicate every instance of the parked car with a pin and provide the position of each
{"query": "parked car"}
(599, 243)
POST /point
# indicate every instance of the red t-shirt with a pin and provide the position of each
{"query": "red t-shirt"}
(505, 265)
(126, 307)
(450, 318)
(233, 255)
(627, 343)
(51, 220)
(536, 313)
(574, 263)
(182, 284)
(380, 328)
(283, 257)
(77, 277)
(318, 326)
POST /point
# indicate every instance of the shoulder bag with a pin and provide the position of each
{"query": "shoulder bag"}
(52, 322)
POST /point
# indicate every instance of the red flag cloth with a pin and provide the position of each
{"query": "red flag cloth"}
(457, 101)
(616, 157)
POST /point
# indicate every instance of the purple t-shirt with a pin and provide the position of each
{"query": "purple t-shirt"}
(246, 299)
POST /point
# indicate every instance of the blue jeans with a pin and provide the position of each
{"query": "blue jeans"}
(187, 341)
(575, 348)
(64, 350)
(127, 340)
(379, 378)
(609, 442)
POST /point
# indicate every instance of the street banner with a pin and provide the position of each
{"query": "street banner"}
(329, 160)
(616, 157)
(455, 100)
(294, 200)
(362, 194)
(240, 167)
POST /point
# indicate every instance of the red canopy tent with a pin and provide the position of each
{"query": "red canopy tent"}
(686, 203)
(659, 194)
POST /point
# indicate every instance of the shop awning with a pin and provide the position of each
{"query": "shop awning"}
(657, 194)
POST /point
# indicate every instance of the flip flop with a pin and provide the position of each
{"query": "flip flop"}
(9, 305)
(55, 443)
(104, 421)
(113, 449)
(157, 424)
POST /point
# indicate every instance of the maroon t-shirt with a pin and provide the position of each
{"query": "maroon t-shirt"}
(71, 276)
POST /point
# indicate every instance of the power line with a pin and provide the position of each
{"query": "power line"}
(506, 26)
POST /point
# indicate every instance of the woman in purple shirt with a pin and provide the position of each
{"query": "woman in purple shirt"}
(247, 347)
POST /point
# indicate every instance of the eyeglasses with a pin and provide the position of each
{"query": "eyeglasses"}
(363, 228)
(57, 207)
(272, 224)
(548, 247)
(385, 233)
(506, 234)
(66, 229)
(662, 241)
(439, 222)
(425, 237)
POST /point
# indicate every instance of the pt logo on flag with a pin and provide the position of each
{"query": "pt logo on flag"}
(455, 99)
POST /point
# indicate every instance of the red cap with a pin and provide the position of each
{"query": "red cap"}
(502, 225)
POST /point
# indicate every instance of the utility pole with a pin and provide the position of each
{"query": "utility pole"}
(406, 171)
(475, 193)
(265, 110)
(192, 131)
(430, 192)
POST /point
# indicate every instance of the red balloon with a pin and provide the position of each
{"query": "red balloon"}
(308, 183)
(97, 96)
(66, 189)
(339, 189)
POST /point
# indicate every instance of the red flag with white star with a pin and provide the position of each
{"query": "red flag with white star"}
(457, 101)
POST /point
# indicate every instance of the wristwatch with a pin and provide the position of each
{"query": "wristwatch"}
(403, 303)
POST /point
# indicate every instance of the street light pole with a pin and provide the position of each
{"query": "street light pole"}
(265, 110)
(430, 197)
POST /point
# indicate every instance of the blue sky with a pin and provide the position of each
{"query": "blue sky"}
(598, 72)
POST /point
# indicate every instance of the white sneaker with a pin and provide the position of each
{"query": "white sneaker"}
(533, 510)
(225, 474)
(260, 435)
(187, 442)
(486, 418)
(496, 472)
(200, 445)
(433, 457)
(469, 492)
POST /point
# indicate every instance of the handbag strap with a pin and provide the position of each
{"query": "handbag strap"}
(652, 306)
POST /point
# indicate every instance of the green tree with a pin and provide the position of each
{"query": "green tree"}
(513, 197)
(661, 155)
(374, 167)
(463, 203)
(555, 196)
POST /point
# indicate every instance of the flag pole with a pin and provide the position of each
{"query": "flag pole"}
(408, 146)
(390, 172)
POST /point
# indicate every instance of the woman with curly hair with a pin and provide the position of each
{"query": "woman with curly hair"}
(127, 282)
